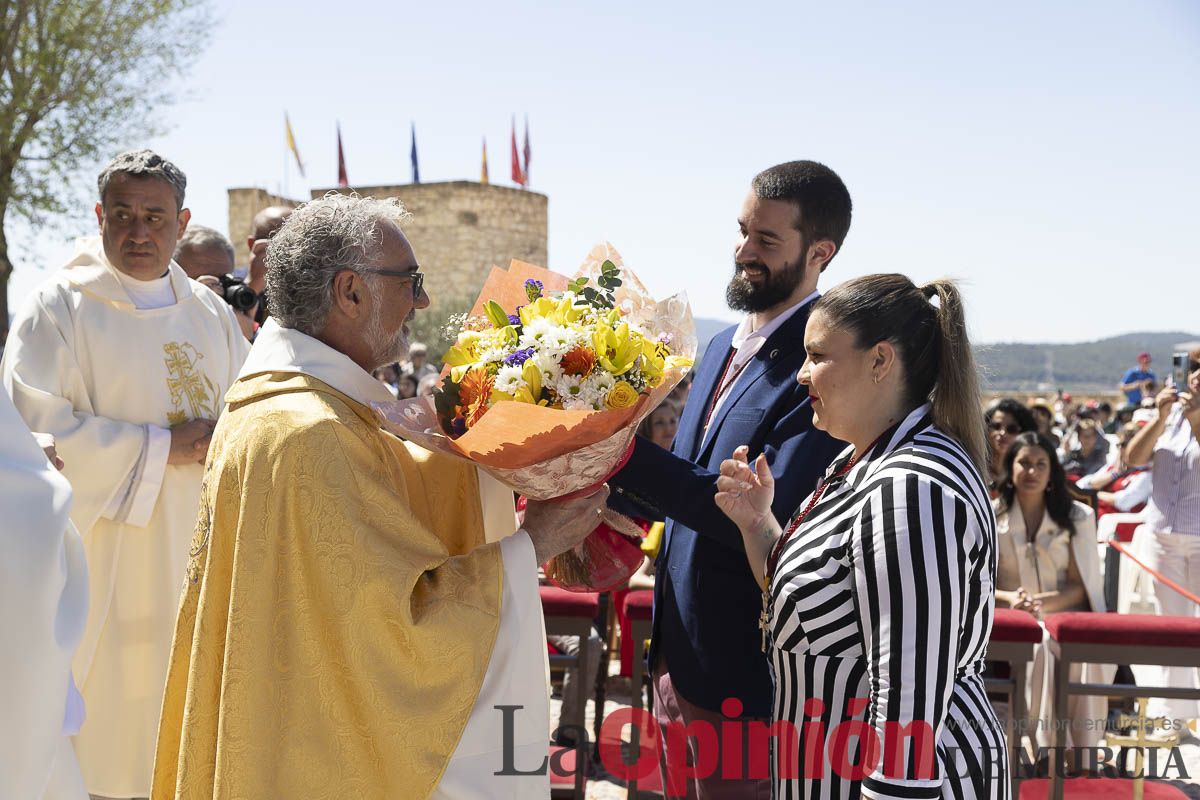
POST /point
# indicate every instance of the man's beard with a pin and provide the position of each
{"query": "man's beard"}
(742, 295)
(385, 349)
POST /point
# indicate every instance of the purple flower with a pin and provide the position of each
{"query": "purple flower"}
(513, 319)
(533, 289)
(458, 426)
(518, 358)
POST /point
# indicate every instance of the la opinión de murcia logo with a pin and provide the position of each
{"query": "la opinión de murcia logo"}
(853, 750)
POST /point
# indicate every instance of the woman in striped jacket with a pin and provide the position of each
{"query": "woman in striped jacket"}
(878, 596)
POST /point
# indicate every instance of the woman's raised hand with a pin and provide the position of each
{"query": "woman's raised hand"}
(745, 492)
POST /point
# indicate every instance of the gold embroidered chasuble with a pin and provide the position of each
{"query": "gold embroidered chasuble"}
(340, 610)
(86, 365)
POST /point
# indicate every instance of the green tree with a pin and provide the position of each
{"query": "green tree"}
(81, 80)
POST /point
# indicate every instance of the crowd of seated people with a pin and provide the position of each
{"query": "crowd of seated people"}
(1135, 466)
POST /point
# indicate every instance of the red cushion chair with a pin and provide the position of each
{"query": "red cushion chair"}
(639, 604)
(638, 608)
(1010, 625)
(1014, 633)
(1136, 630)
(1125, 530)
(561, 603)
(570, 614)
(1096, 638)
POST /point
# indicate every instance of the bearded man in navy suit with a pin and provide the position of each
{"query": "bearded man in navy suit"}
(706, 655)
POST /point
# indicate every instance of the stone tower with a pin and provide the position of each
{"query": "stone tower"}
(459, 229)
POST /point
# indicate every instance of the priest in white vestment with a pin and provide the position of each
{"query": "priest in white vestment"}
(125, 360)
(43, 605)
(350, 627)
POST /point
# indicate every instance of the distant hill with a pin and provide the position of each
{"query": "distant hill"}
(1087, 366)
(1083, 367)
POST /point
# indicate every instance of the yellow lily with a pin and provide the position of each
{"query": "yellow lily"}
(464, 354)
(653, 359)
(560, 312)
(542, 307)
(679, 361)
(533, 379)
(617, 349)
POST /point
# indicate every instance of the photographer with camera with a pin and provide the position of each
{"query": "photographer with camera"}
(207, 257)
(1170, 539)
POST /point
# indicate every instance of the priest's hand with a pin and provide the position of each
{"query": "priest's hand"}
(555, 526)
(46, 442)
(189, 442)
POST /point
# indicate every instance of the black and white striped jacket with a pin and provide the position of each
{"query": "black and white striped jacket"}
(881, 608)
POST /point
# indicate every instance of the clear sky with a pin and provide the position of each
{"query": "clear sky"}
(1048, 154)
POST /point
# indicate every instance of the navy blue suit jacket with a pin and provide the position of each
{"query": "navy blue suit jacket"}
(706, 601)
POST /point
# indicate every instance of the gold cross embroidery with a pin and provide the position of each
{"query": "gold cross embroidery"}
(187, 383)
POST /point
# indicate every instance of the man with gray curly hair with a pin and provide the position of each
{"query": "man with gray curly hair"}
(360, 612)
(125, 361)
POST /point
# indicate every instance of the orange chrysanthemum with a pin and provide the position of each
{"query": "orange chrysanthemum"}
(578, 361)
(476, 385)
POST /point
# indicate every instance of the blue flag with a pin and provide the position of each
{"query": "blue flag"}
(415, 168)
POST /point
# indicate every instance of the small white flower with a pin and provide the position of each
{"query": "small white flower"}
(509, 380)
(547, 362)
(533, 334)
(568, 385)
(493, 354)
(599, 382)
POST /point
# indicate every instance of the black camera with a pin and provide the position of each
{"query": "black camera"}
(239, 296)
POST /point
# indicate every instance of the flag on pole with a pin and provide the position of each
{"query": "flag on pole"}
(413, 155)
(343, 181)
(518, 176)
(483, 176)
(291, 143)
(527, 152)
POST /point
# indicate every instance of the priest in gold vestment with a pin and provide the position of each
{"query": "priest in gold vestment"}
(347, 629)
(124, 360)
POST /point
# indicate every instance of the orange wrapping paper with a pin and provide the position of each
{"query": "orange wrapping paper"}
(542, 452)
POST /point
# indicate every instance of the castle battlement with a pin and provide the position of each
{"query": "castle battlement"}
(458, 229)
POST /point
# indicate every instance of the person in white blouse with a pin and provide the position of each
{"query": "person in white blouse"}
(1047, 562)
(1170, 539)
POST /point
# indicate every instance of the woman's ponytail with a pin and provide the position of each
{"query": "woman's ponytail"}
(955, 396)
(928, 328)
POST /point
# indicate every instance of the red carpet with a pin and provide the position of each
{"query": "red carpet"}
(1098, 789)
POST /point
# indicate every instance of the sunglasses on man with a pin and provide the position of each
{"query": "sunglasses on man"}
(1010, 429)
(418, 278)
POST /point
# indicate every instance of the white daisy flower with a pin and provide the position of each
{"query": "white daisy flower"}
(509, 380)
(547, 362)
(599, 382)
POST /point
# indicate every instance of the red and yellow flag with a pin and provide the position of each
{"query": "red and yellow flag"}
(291, 142)
(518, 174)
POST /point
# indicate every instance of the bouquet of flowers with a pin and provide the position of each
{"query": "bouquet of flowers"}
(546, 384)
